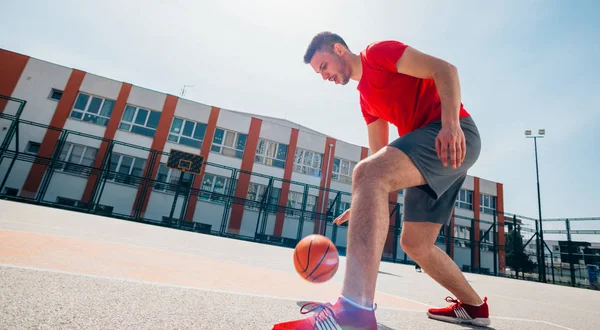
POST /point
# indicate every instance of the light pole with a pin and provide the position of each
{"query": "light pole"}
(541, 260)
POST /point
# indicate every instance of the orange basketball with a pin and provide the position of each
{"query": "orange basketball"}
(316, 258)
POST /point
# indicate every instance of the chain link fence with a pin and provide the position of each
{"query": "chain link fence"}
(87, 173)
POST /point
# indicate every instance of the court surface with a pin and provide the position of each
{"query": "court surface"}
(68, 270)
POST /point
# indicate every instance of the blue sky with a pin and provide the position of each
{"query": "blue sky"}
(522, 64)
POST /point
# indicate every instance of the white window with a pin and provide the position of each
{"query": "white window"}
(338, 208)
(256, 193)
(462, 235)
(187, 132)
(140, 121)
(166, 176)
(76, 155)
(213, 187)
(308, 162)
(229, 143)
(271, 153)
(489, 239)
(32, 147)
(487, 203)
(126, 169)
(342, 170)
(311, 203)
(441, 238)
(464, 199)
(93, 109)
(294, 203)
(55, 94)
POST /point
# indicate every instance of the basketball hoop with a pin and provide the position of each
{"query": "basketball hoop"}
(185, 161)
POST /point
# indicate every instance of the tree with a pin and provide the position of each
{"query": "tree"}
(516, 258)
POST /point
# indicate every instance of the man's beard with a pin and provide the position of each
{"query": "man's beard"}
(344, 74)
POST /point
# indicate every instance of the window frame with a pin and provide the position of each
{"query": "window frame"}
(300, 165)
(260, 191)
(292, 210)
(464, 204)
(31, 144)
(130, 179)
(124, 123)
(210, 195)
(217, 147)
(170, 178)
(343, 206)
(179, 135)
(338, 175)
(85, 112)
(77, 168)
(265, 159)
(487, 209)
(55, 90)
(461, 241)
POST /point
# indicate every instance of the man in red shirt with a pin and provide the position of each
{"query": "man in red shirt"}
(438, 143)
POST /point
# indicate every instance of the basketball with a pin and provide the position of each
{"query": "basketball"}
(316, 258)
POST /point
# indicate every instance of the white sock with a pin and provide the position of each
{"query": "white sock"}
(477, 305)
(357, 305)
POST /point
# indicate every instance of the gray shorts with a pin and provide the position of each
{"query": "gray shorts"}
(433, 202)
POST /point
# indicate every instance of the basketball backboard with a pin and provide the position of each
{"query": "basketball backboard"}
(185, 161)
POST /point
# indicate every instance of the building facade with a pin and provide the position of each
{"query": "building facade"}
(301, 168)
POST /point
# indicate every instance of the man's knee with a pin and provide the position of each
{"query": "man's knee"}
(414, 246)
(366, 173)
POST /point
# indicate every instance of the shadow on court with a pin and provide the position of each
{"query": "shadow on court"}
(386, 273)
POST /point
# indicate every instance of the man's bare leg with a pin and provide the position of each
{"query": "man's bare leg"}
(418, 241)
(373, 178)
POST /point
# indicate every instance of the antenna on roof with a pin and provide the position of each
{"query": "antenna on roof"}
(183, 89)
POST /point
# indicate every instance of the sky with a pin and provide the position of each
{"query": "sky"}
(523, 64)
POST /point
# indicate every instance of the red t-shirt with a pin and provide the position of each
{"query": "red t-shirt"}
(406, 102)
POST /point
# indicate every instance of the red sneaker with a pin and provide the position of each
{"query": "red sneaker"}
(342, 315)
(462, 313)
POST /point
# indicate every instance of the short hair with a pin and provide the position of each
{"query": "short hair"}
(322, 41)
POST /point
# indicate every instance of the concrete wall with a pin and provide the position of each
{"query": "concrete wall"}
(462, 256)
(120, 196)
(65, 185)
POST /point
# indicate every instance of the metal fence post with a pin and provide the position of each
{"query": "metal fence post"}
(50, 171)
(174, 204)
(495, 244)
(229, 201)
(570, 251)
(143, 185)
(472, 239)
(104, 173)
(301, 220)
(448, 239)
(537, 250)
(395, 227)
(514, 241)
(552, 265)
(11, 129)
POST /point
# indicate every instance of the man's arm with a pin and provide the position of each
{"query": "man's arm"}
(445, 75)
(417, 64)
(378, 135)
